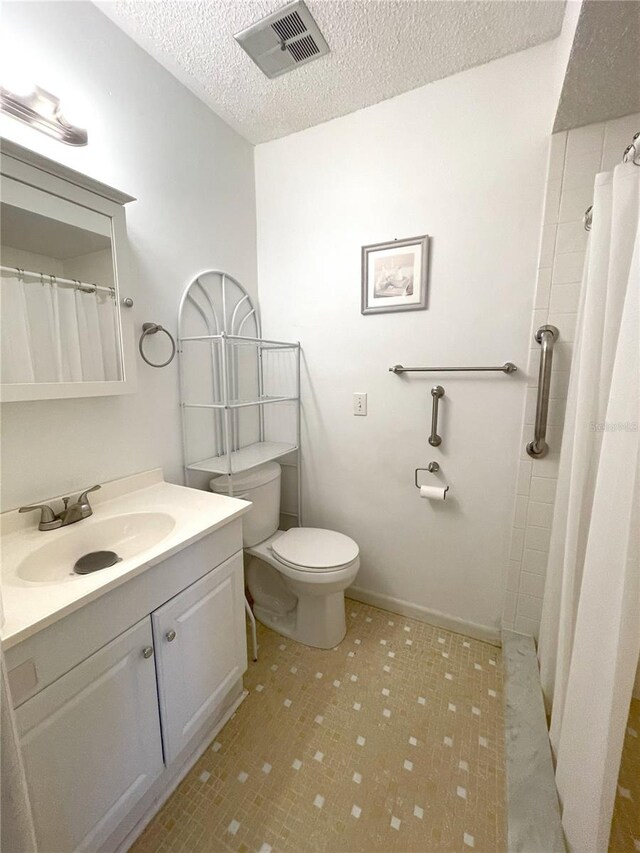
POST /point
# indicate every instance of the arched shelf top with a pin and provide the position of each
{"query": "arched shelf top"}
(239, 392)
(216, 303)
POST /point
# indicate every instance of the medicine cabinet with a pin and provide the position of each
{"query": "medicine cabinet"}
(65, 283)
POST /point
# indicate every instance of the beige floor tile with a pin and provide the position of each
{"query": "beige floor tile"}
(393, 741)
(625, 827)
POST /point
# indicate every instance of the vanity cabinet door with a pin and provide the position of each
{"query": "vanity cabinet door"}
(91, 743)
(201, 650)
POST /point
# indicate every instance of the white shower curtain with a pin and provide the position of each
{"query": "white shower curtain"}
(50, 333)
(590, 633)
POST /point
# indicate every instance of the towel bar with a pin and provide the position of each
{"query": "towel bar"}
(507, 367)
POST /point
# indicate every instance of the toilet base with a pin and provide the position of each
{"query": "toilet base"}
(318, 620)
(281, 623)
(321, 621)
(305, 606)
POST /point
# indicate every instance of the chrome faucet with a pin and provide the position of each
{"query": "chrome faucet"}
(79, 509)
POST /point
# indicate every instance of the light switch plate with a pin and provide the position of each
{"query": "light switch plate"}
(359, 404)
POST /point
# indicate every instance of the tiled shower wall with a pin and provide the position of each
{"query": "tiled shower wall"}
(575, 158)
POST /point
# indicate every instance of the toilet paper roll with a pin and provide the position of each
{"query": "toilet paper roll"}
(434, 493)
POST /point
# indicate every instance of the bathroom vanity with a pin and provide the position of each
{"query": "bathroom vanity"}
(120, 678)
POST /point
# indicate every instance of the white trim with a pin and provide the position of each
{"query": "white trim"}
(59, 170)
(425, 614)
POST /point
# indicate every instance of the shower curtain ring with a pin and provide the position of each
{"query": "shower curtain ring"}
(633, 147)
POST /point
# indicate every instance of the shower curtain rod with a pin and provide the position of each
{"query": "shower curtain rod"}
(47, 278)
(634, 146)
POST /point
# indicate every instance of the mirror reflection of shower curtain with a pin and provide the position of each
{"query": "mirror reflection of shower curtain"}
(590, 633)
(50, 333)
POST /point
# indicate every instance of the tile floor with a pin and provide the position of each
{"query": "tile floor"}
(625, 827)
(393, 741)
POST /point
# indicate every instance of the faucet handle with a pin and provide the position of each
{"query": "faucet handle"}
(82, 497)
(48, 518)
(82, 502)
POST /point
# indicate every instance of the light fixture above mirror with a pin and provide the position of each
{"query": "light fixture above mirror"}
(41, 110)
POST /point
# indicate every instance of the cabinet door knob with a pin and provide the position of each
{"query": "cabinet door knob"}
(171, 635)
(147, 652)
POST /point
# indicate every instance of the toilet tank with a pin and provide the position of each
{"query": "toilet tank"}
(261, 486)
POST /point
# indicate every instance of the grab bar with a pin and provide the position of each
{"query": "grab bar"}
(546, 336)
(507, 367)
(436, 392)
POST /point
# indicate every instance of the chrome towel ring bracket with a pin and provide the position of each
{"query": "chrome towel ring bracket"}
(152, 329)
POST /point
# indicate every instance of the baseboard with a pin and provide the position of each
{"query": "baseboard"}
(168, 781)
(424, 614)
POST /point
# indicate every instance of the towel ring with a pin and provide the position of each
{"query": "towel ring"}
(151, 329)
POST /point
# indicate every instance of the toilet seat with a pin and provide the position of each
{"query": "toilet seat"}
(313, 549)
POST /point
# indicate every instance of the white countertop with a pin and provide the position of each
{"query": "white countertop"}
(30, 606)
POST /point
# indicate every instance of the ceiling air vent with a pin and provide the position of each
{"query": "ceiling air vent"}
(284, 40)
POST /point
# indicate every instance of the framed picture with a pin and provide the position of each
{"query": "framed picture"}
(394, 275)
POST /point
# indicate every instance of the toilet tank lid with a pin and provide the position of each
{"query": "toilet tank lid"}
(315, 548)
(246, 480)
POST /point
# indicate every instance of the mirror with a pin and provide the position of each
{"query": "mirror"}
(59, 318)
(62, 267)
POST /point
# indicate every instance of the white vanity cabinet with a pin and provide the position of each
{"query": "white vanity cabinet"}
(112, 716)
(91, 743)
(195, 669)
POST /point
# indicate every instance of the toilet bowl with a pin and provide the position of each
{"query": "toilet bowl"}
(296, 577)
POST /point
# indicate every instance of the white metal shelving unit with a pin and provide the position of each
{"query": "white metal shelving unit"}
(239, 392)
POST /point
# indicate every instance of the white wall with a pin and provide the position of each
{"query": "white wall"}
(576, 157)
(193, 178)
(464, 160)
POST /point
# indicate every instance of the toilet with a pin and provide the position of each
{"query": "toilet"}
(296, 577)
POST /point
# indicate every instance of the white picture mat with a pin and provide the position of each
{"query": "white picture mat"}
(391, 301)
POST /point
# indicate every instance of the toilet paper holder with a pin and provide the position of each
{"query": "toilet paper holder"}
(432, 468)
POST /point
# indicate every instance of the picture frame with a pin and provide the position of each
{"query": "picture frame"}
(395, 275)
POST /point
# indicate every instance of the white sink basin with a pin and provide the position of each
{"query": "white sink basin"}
(142, 518)
(127, 535)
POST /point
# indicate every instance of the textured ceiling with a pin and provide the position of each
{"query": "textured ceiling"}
(379, 48)
(603, 76)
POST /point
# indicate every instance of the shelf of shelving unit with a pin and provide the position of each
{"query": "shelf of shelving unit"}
(241, 340)
(247, 457)
(241, 404)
